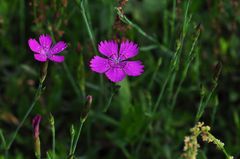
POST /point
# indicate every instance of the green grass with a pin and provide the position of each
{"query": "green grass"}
(190, 50)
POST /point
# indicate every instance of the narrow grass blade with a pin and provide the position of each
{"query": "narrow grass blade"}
(190, 58)
(135, 26)
(207, 96)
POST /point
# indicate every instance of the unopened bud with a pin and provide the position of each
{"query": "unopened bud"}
(35, 123)
(72, 130)
(51, 120)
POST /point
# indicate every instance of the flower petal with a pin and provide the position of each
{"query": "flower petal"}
(59, 47)
(99, 64)
(133, 68)
(34, 45)
(108, 48)
(45, 41)
(128, 49)
(115, 74)
(40, 57)
(56, 58)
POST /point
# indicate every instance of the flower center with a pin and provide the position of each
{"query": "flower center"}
(46, 52)
(116, 62)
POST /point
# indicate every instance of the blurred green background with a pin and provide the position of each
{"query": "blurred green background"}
(181, 72)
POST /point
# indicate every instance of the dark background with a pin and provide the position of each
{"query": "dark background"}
(129, 129)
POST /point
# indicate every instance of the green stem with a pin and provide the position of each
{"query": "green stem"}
(162, 91)
(191, 56)
(37, 96)
(78, 135)
(4, 143)
(90, 32)
(155, 73)
(135, 26)
(173, 18)
(37, 148)
(109, 103)
(91, 35)
(52, 123)
(220, 146)
(53, 142)
(70, 77)
(3, 139)
(72, 131)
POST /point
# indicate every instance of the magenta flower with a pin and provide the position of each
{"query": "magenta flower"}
(116, 65)
(35, 124)
(45, 50)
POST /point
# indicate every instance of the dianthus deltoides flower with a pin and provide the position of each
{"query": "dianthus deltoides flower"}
(116, 65)
(45, 50)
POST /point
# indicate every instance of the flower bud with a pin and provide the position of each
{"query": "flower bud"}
(35, 123)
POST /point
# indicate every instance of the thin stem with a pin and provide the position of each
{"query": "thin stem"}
(90, 32)
(81, 76)
(125, 151)
(48, 156)
(162, 91)
(180, 50)
(172, 69)
(127, 21)
(4, 143)
(3, 139)
(37, 96)
(155, 73)
(70, 77)
(37, 148)
(148, 48)
(173, 18)
(78, 135)
(52, 123)
(215, 107)
(53, 143)
(219, 145)
(190, 59)
(109, 103)
(203, 105)
(72, 131)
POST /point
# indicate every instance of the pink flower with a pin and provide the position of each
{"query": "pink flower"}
(35, 124)
(116, 65)
(45, 50)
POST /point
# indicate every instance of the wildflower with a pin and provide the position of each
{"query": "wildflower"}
(116, 66)
(37, 144)
(45, 50)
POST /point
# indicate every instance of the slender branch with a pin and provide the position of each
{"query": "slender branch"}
(37, 96)
(78, 135)
(3, 139)
(89, 28)
(52, 123)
